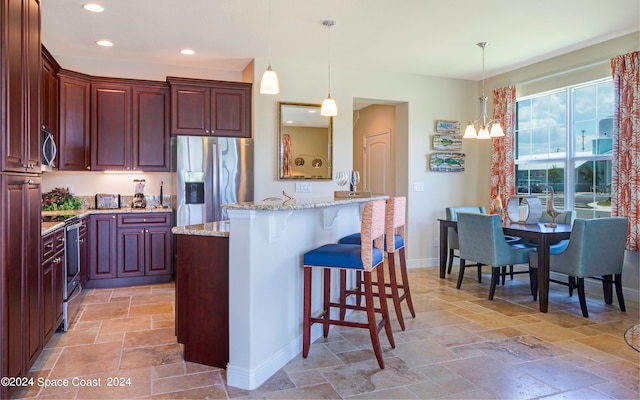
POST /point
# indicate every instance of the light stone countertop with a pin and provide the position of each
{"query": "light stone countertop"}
(218, 228)
(300, 204)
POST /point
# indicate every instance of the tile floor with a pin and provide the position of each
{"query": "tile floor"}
(459, 346)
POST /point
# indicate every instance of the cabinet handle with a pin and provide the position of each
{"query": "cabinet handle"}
(49, 245)
(61, 239)
(113, 216)
(57, 260)
(88, 167)
(29, 182)
(80, 240)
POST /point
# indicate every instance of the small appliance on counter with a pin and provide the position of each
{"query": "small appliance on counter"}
(106, 201)
(138, 199)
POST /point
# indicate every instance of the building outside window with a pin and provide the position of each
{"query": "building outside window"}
(563, 139)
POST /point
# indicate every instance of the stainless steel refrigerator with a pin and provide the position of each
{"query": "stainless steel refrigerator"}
(209, 172)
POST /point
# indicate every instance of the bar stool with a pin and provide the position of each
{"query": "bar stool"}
(366, 258)
(394, 243)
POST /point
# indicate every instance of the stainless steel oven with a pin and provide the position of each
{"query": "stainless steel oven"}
(72, 288)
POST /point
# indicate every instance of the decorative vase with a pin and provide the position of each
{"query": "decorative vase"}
(496, 203)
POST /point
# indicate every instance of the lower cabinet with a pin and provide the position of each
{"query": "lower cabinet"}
(53, 281)
(129, 248)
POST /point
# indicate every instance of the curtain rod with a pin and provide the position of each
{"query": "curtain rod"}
(541, 78)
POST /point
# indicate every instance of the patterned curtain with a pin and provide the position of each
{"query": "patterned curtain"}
(502, 150)
(625, 187)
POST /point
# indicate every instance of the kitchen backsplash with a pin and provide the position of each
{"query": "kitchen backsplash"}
(125, 201)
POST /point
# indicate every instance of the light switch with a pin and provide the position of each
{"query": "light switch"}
(418, 186)
(303, 187)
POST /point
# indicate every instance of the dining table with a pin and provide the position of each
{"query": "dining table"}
(539, 233)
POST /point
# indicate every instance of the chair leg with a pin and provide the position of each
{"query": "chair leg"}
(511, 271)
(371, 316)
(384, 309)
(583, 300)
(572, 285)
(503, 274)
(451, 255)
(618, 282)
(326, 301)
(461, 273)
(533, 279)
(343, 294)
(393, 281)
(306, 317)
(405, 281)
(479, 272)
(495, 278)
(607, 288)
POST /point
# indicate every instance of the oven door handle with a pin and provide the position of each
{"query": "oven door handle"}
(75, 295)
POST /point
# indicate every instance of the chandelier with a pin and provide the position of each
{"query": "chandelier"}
(487, 128)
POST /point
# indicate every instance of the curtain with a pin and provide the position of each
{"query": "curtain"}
(625, 185)
(502, 150)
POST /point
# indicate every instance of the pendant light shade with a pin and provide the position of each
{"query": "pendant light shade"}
(329, 107)
(487, 128)
(269, 83)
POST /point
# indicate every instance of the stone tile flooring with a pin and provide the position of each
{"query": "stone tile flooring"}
(459, 346)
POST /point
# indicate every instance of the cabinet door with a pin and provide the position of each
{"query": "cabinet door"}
(49, 98)
(52, 294)
(110, 127)
(32, 73)
(231, 112)
(73, 144)
(130, 252)
(190, 110)
(33, 271)
(150, 130)
(157, 245)
(102, 246)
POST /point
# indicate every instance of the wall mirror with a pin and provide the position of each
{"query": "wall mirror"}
(304, 142)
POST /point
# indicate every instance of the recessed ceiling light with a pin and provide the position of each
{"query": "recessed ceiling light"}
(93, 7)
(187, 52)
(105, 43)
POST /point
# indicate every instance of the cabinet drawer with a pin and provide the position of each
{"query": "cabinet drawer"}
(52, 243)
(125, 220)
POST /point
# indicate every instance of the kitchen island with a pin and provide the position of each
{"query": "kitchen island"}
(266, 243)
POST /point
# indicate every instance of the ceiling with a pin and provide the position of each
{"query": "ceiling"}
(428, 37)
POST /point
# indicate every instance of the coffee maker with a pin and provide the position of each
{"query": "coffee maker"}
(138, 199)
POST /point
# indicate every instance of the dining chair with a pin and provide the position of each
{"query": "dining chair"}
(595, 250)
(394, 234)
(367, 258)
(482, 239)
(452, 235)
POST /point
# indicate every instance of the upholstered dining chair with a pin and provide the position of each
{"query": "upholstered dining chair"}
(452, 235)
(595, 250)
(367, 258)
(482, 239)
(394, 233)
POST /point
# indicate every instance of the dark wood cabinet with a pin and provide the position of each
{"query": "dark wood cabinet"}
(213, 108)
(53, 281)
(83, 237)
(49, 94)
(110, 127)
(102, 246)
(20, 95)
(129, 125)
(74, 121)
(20, 269)
(202, 298)
(130, 248)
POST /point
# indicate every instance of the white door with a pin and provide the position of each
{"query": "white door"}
(377, 163)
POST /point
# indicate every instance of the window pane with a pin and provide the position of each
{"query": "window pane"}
(593, 189)
(532, 178)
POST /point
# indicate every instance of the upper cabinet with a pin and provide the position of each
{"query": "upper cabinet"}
(129, 125)
(20, 92)
(210, 108)
(49, 94)
(74, 122)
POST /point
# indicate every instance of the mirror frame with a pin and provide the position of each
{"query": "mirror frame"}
(280, 146)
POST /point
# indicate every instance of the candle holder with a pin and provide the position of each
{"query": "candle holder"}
(524, 209)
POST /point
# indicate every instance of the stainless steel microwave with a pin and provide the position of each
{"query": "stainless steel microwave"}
(49, 149)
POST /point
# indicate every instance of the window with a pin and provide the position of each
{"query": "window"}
(563, 139)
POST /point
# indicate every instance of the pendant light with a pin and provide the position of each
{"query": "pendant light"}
(269, 83)
(329, 107)
(484, 132)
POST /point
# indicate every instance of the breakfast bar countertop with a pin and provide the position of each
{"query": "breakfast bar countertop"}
(218, 228)
(300, 204)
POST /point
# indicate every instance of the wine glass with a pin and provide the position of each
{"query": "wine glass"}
(355, 179)
(341, 178)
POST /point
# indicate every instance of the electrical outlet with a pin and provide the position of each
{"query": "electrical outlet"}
(70, 188)
(418, 186)
(436, 242)
(303, 187)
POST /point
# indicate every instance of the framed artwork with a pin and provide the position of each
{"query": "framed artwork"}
(447, 162)
(447, 126)
(447, 142)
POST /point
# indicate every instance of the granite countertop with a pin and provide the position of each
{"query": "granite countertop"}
(218, 228)
(300, 204)
(48, 227)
